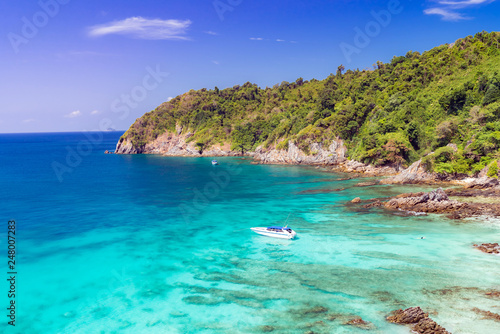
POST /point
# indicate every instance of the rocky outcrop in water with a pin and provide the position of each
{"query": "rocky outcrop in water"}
(360, 323)
(435, 201)
(470, 203)
(419, 321)
(487, 314)
(493, 248)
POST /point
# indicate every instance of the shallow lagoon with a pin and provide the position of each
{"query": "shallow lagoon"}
(109, 249)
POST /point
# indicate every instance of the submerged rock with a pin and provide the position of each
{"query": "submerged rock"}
(487, 314)
(493, 294)
(315, 310)
(360, 323)
(420, 321)
(493, 248)
(367, 184)
(267, 329)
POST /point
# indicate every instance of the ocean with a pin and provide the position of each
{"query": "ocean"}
(110, 243)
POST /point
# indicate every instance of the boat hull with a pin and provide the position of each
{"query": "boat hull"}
(279, 235)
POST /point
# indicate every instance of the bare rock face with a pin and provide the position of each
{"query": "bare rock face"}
(172, 144)
(482, 183)
(420, 321)
(178, 144)
(126, 147)
(353, 166)
(319, 154)
(416, 173)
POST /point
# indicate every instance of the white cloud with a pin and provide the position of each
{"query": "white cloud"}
(169, 98)
(213, 33)
(466, 3)
(446, 15)
(95, 112)
(448, 9)
(139, 27)
(73, 114)
(215, 62)
(29, 120)
(280, 40)
(256, 38)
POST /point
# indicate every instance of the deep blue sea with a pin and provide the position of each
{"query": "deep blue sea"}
(152, 244)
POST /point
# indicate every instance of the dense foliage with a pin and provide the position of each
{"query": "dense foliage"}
(393, 114)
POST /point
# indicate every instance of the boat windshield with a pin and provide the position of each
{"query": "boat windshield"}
(279, 229)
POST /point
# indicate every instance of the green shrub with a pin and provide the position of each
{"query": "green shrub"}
(283, 145)
(446, 160)
(477, 167)
(492, 95)
(493, 170)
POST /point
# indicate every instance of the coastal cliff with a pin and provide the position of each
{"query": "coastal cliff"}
(178, 144)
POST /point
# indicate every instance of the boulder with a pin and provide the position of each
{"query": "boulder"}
(356, 200)
(420, 321)
(482, 183)
(411, 315)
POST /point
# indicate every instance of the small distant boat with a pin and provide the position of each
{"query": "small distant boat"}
(275, 232)
(214, 162)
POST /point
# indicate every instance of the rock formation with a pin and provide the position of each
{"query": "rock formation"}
(419, 321)
(435, 201)
(178, 144)
(173, 144)
(320, 154)
(416, 173)
(493, 248)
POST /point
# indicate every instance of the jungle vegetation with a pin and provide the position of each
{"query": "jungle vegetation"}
(395, 113)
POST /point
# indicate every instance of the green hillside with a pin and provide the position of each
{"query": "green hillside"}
(394, 114)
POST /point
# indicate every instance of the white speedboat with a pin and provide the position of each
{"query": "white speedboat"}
(214, 162)
(275, 232)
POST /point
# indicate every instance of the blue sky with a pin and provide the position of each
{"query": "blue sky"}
(73, 65)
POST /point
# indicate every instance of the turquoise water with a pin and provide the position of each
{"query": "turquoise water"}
(149, 244)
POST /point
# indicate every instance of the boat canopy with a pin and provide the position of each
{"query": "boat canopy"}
(279, 228)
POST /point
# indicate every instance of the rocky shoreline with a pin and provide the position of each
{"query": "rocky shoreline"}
(478, 196)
